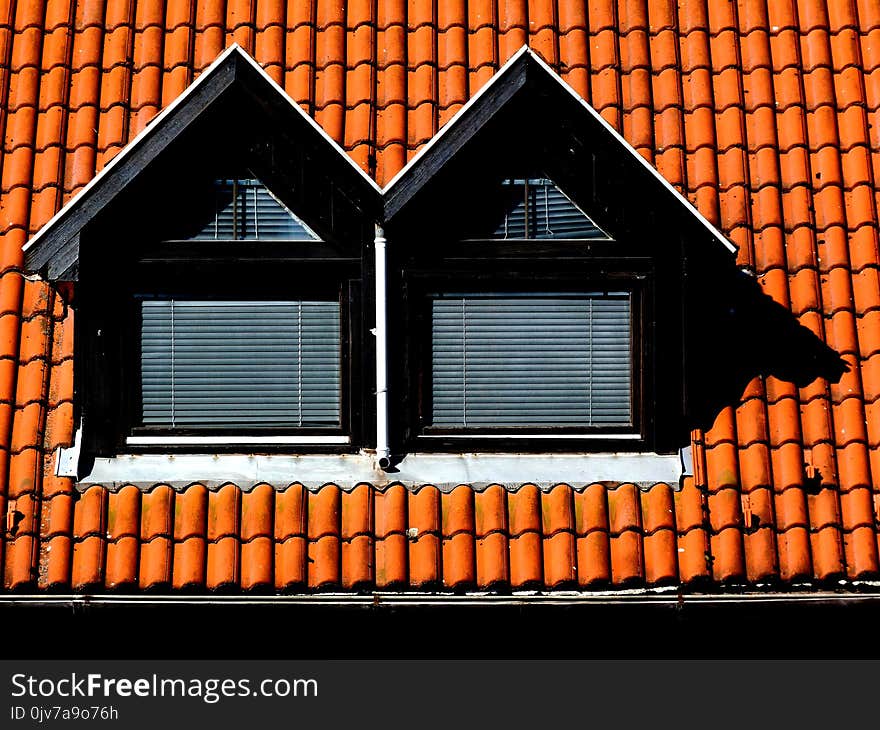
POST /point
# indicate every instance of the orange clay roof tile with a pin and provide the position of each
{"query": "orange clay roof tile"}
(290, 539)
(357, 533)
(459, 545)
(764, 114)
(391, 540)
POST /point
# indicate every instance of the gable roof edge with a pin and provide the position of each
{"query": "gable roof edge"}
(496, 79)
(156, 122)
(716, 233)
(308, 118)
(470, 103)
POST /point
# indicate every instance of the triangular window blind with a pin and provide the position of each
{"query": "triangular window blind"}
(245, 210)
(216, 364)
(538, 209)
(531, 360)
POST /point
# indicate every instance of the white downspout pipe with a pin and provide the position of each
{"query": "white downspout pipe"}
(383, 452)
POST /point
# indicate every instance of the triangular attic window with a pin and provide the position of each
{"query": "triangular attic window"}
(245, 210)
(538, 209)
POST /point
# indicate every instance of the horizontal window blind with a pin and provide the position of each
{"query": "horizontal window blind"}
(240, 363)
(531, 360)
(550, 213)
(246, 210)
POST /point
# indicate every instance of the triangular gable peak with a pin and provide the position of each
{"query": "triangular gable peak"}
(536, 209)
(526, 119)
(246, 113)
(245, 209)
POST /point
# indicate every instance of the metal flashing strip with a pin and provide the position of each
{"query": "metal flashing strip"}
(670, 598)
(445, 471)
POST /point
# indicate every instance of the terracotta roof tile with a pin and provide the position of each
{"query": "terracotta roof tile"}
(291, 538)
(257, 526)
(20, 557)
(452, 65)
(392, 564)
(89, 537)
(492, 545)
(424, 536)
(591, 529)
(526, 554)
(661, 556)
(459, 545)
(357, 537)
(257, 512)
(55, 562)
(759, 538)
(123, 537)
(210, 31)
(146, 66)
(324, 538)
(625, 525)
(57, 515)
(560, 556)
(224, 531)
(570, 542)
(826, 546)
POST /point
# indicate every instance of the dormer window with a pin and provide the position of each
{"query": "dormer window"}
(526, 344)
(233, 358)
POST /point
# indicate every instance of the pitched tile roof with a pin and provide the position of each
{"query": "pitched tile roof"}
(766, 115)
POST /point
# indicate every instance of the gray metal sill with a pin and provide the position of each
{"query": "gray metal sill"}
(445, 471)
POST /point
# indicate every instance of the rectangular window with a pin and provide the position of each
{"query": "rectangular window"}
(240, 364)
(531, 361)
